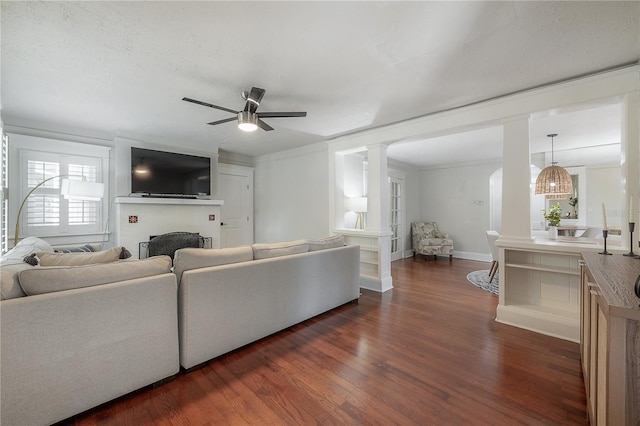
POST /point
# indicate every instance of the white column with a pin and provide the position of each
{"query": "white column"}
(516, 180)
(378, 189)
(630, 160)
(378, 205)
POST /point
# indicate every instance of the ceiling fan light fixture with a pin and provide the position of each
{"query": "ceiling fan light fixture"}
(554, 181)
(247, 121)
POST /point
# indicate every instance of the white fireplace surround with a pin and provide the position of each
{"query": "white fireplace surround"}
(137, 218)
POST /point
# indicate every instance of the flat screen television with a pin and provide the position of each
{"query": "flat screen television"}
(167, 174)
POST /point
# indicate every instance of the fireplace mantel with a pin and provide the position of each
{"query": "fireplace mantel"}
(168, 201)
(138, 218)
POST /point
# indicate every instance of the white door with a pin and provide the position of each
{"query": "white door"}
(396, 218)
(235, 188)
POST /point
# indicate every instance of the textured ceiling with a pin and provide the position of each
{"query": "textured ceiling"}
(121, 68)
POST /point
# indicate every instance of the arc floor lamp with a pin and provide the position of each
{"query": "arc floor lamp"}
(72, 189)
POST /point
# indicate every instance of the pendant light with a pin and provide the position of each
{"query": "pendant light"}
(554, 181)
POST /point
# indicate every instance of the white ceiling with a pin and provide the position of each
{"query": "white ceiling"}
(111, 69)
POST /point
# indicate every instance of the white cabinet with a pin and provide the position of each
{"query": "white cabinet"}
(539, 291)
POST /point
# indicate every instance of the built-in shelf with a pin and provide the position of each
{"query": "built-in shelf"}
(168, 201)
(545, 268)
(539, 290)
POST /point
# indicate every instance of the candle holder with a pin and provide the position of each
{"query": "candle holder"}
(605, 234)
(632, 227)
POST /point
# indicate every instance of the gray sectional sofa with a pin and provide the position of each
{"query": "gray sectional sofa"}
(74, 337)
(238, 300)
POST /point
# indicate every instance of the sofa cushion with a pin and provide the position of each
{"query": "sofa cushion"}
(193, 258)
(78, 259)
(265, 251)
(51, 279)
(332, 241)
(9, 283)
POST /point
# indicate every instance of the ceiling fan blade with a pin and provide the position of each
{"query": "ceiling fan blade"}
(209, 105)
(264, 126)
(226, 120)
(281, 114)
(254, 99)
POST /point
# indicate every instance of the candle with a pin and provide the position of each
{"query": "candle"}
(604, 218)
(631, 209)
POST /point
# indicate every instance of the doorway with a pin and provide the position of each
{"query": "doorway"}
(235, 188)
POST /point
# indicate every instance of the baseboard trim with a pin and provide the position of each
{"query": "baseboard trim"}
(540, 322)
(457, 254)
(375, 283)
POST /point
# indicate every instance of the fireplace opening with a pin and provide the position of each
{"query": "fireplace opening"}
(167, 244)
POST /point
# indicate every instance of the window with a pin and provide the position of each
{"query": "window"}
(46, 212)
(4, 197)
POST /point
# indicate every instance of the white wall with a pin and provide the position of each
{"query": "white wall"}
(457, 198)
(291, 199)
(603, 186)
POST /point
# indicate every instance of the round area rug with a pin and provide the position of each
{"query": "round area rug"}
(481, 279)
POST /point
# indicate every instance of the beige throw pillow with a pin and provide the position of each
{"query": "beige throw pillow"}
(79, 259)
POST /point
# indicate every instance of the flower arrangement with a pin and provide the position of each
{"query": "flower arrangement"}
(553, 216)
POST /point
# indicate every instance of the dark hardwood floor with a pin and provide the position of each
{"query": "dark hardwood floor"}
(427, 352)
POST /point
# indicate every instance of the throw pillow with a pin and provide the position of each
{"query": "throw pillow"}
(326, 243)
(265, 251)
(48, 280)
(78, 259)
(82, 249)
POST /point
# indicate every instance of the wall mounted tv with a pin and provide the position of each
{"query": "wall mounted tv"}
(167, 174)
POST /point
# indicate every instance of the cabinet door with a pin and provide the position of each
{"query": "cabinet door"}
(592, 395)
(601, 357)
(585, 325)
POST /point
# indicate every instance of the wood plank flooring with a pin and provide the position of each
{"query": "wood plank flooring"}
(427, 352)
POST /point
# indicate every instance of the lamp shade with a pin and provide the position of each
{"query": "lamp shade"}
(554, 180)
(356, 204)
(73, 189)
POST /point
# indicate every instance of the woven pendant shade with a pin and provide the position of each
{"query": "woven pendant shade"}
(554, 181)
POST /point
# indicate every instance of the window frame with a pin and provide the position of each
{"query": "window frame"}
(55, 148)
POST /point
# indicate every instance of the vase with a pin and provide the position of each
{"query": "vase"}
(553, 232)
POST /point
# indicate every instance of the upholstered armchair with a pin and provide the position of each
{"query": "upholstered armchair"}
(429, 241)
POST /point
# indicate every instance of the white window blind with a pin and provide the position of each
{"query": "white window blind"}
(49, 213)
(4, 200)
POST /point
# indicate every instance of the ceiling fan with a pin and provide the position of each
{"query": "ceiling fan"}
(248, 118)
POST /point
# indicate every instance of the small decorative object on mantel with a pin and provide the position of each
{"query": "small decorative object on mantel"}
(553, 216)
(637, 286)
